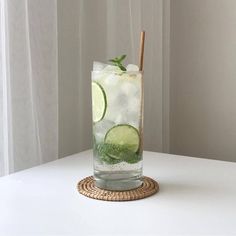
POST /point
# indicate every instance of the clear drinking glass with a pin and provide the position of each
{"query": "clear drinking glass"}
(117, 98)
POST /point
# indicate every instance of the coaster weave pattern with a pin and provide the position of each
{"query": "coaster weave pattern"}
(87, 187)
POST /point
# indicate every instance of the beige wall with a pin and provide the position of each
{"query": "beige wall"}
(203, 78)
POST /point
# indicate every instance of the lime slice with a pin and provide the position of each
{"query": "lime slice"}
(99, 102)
(124, 135)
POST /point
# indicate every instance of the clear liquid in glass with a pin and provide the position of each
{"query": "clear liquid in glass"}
(118, 151)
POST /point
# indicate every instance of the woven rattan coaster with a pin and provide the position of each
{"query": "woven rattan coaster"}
(87, 187)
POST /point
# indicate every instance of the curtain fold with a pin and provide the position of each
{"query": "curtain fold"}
(29, 84)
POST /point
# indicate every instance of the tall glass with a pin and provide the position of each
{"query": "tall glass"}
(117, 98)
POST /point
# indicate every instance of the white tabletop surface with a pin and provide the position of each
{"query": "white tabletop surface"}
(197, 197)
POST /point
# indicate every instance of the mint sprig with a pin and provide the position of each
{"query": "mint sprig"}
(113, 153)
(117, 61)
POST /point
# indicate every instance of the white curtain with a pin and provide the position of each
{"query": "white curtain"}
(28, 83)
(88, 30)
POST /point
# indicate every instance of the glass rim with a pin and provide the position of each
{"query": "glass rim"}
(122, 72)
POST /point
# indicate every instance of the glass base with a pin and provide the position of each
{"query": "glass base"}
(118, 180)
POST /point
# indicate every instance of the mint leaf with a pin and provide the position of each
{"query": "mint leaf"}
(122, 67)
(113, 153)
(113, 60)
(109, 160)
(117, 61)
(122, 58)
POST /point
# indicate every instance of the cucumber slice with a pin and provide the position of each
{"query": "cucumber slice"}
(99, 102)
(123, 134)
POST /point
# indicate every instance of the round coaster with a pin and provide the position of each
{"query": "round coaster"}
(87, 187)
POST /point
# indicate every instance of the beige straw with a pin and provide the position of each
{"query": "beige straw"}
(141, 50)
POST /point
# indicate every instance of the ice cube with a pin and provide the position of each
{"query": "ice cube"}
(132, 67)
(131, 118)
(111, 68)
(111, 80)
(114, 110)
(121, 119)
(135, 124)
(100, 129)
(129, 88)
(98, 66)
(134, 105)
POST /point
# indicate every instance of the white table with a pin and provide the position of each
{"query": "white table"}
(197, 197)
